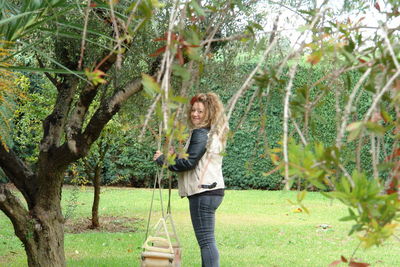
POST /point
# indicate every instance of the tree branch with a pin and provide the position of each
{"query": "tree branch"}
(52, 79)
(349, 106)
(381, 93)
(84, 32)
(14, 210)
(291, 9)
(53, 125)
(248, 82)
(105, 112)
(18, 173)
(101, 117)
(75, 123)
(286, 111)
(225, 39)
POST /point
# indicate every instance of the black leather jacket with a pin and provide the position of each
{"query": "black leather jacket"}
(196, 149)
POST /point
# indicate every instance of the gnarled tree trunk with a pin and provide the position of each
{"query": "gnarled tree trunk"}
(40, 225)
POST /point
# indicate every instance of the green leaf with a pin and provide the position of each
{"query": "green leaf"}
(384, 166)
(18, 16)
(375, 128)
(354, 129)
(171, 159)
(386, 116)
(355, 228)
(96, 76)
(146, 9)
(305, 209)
(301, 195)
(181, 72)
(347, 218)
(42, 70)
(150, 85)
(350, 46)
(179, 99)
(197, 8)
(257, 26)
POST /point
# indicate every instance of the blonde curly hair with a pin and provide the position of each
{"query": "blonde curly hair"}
(214, 116)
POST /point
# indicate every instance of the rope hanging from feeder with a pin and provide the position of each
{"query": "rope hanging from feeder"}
(159, 250)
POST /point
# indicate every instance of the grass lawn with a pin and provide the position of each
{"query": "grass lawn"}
(254, 228)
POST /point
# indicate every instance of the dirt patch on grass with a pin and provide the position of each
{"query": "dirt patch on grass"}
(107, 224)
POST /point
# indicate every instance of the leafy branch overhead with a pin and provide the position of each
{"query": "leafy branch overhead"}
(180, 46)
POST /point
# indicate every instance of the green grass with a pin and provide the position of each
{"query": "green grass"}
(254, 228)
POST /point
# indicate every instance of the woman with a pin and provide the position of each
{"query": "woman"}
(200, 176)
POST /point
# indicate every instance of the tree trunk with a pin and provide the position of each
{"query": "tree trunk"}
(45, 244)
(44, 240)
(41, 228)
(96, 199)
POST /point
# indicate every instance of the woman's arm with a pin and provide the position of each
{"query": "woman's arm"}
(196, 149)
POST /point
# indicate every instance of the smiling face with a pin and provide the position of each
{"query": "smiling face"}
(197, 113)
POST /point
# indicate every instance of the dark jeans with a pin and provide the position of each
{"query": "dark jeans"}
(202, 212)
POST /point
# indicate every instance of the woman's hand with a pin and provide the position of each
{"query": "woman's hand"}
(157, 155)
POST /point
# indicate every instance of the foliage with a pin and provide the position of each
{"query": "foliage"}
(8, 93)
(357, 156)
(29, 115)
(20, 17)
(132, 164)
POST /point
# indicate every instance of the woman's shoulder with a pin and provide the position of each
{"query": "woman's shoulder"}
(200, 131)
(199, 135)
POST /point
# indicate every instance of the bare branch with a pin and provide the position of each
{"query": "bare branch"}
(83, 43)
(225, 39)
(122, 95)
(116, 32)
(286, 112)
(349, 105)
(291, 9)
(132, 13)
(148, 116)
(374, 155)
(249, 106)
(18, 173)
(52, 79)
(14, 210)
(303, 140)
(381, 93)
(274, 29)
(348, 176)
(390, 47)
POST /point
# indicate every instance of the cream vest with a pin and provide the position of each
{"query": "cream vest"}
(207, 171)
